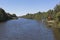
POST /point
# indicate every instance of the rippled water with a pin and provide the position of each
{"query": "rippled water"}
(25, 29)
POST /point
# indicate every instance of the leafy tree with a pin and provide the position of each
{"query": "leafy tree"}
(58, 16)
(13, 15)
(50, 14)
(3, 15)
(57, 8)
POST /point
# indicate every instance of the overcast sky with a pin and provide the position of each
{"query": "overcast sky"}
(22, 7)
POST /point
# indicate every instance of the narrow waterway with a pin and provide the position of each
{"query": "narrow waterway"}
(25, 29)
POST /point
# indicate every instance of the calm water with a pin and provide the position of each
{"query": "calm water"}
(25, 29)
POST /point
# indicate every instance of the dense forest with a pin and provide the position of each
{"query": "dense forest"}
(6, 16)
(53, 13)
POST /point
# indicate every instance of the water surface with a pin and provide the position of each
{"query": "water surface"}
(25, 29)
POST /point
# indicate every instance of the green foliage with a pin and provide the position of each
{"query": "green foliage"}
(57, 12)
(36, 16)
(54, 14)
(5, 16)
(57, 17)
(44, 15)
(13, 15)
(57, 8)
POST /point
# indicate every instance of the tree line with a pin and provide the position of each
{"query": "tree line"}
(53, 13)
(6, 16)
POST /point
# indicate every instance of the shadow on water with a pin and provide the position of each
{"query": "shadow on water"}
(25, 29)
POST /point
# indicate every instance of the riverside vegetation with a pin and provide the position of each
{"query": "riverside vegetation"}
(6, 16)
(52, 14)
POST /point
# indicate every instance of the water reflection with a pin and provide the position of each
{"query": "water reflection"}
(25, 29)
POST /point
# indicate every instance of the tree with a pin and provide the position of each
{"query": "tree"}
(3, 15)
(13, 15)
(6, 16)
(58, 16)
(50, 13)
(57, 8)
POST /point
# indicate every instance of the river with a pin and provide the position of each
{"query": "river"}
(25, 29)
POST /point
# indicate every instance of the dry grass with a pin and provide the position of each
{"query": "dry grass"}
(56, 28)
(57, 33)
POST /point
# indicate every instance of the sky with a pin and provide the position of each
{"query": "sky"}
(22, 7)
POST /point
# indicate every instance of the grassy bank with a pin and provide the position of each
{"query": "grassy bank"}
(56, 28)
(56, 33)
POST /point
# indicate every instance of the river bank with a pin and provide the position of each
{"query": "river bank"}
(56, 29)
(56, 33)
